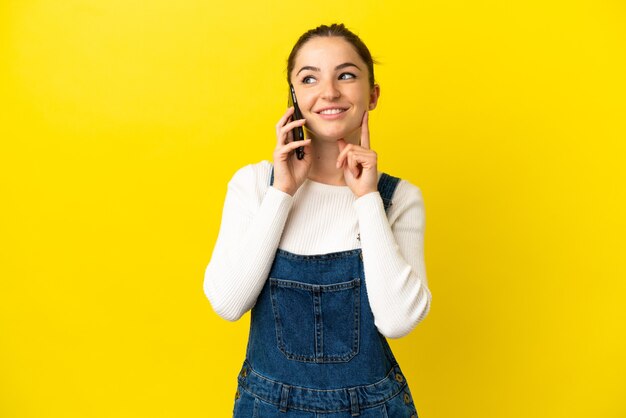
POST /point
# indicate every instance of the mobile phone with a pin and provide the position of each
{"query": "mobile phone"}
(298, 132)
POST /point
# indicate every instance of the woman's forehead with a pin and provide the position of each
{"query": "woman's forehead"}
(327, 49)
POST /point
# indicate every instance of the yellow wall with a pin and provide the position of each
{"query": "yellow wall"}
(122, 122)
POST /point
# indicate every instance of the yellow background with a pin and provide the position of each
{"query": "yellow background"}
(122, 122)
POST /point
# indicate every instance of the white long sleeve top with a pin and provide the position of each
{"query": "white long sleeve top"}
(318, 219)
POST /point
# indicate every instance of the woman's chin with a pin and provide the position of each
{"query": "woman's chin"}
(328, 136)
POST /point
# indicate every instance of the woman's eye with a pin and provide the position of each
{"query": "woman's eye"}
(346, 76)
(308, 80)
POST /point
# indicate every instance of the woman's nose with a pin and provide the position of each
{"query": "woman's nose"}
(330, 90)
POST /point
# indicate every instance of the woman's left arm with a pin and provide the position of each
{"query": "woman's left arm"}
(393, 258)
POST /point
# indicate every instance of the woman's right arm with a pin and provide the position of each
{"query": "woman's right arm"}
(247, 241)
(252, 226)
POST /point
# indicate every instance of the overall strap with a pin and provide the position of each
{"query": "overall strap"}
(386, 187)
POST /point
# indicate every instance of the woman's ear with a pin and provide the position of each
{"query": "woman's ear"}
(374, 95)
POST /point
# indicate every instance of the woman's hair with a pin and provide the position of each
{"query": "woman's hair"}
(338, 30)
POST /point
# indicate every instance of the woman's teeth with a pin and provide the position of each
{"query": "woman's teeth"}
(331, 111)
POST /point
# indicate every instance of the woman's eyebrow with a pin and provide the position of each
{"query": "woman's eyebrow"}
(346, 64)
(339, 67)
(308, 67)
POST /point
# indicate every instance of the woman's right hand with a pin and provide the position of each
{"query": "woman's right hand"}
(289, 172)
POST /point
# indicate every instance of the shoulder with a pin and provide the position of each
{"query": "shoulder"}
(405, 190)
(253, 174)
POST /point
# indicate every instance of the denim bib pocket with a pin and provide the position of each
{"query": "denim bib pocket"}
(316, 323)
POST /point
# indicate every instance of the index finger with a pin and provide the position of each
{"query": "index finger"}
(365, 131)
(283, 120)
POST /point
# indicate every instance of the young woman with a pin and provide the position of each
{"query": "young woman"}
(325, 250)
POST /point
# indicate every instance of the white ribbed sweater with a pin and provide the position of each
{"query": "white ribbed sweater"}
(320, 218)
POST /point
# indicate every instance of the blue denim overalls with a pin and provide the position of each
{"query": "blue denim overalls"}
(313, 349)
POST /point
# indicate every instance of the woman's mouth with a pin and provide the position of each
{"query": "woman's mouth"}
(333, 111)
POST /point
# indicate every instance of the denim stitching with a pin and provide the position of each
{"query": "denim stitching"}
(319, 324)
(316, 287)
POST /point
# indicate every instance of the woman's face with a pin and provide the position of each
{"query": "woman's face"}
(332, 86)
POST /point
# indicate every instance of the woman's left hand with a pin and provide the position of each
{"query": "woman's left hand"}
(359, 163)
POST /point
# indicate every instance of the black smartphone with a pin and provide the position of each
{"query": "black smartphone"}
(298, 132)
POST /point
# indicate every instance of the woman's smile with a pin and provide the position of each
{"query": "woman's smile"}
(332, 113)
